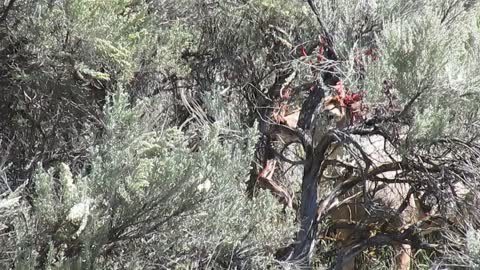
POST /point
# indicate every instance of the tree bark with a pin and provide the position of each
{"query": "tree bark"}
(304, 246)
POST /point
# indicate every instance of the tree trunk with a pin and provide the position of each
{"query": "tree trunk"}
(304, 245)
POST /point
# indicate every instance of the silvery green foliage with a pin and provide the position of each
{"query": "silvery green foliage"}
(461, 250)
(147, 195)
(473, 247)
(431, 56)
(425, 48)
(147, 199)
(12, 209)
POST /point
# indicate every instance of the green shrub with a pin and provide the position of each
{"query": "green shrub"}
(146, 191)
